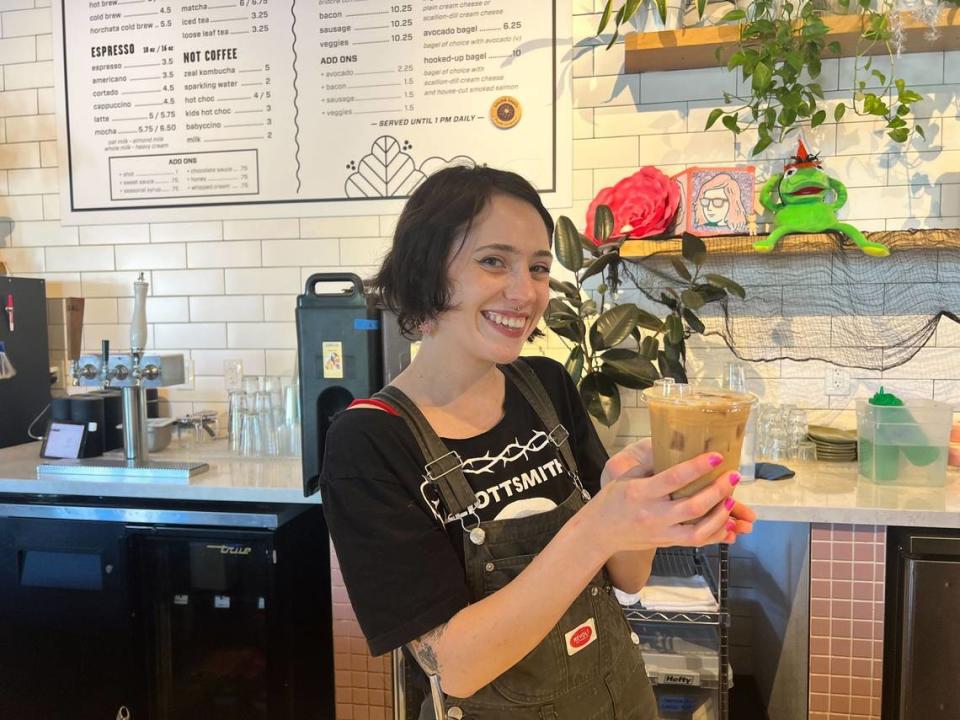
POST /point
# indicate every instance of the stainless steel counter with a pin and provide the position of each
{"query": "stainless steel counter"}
(229, 479)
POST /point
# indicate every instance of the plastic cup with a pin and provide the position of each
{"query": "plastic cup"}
(688, 420)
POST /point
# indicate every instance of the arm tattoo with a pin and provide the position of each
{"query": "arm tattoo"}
(423, 649)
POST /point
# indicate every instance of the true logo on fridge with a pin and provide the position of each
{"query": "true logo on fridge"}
(231, 549)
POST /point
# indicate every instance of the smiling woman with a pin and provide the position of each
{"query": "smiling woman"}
(468, 501)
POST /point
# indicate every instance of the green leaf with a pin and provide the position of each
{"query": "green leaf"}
(558, 312)
(692, 299)
(662, 10)
(605, 18)
(588, 245)
(693, 249)
(601, 397)
(839, 111)
(727, 284)
(899, 135)
(566, 288)
(674, 328)
(761, 145)
(574, 364)
(648, 320)
(762, 75)
(566, 240)
(714, 115)
(818, 117)
(574, 332)
(918, 129)
(730, 122)
(835, 46)
(649, 347)
(602, 224)
(614, 326)
(879, 76)
(629, 368)
(600, 264)
(710, 293)
(734, 15)
(693, 321)
(613, 39)
(680, 268)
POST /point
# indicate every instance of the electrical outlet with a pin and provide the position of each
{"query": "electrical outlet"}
(837, 381)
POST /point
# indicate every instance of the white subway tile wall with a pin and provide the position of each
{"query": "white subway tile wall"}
(225, 289)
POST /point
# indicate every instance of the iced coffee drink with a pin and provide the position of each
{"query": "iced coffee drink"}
(687, 420)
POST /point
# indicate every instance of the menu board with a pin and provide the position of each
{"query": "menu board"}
(187, 109)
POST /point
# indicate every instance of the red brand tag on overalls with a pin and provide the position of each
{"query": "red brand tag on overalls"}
(581, 636)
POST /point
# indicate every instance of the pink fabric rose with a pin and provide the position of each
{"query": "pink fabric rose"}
(642, 204)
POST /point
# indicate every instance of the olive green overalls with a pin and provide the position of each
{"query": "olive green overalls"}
(589, 666)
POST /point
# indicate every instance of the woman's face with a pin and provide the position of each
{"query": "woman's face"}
(715, 205)
(499, 280)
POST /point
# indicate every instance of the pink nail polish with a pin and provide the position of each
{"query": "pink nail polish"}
(715, 459)
(734, 478)
(729, 503)
(731, 525)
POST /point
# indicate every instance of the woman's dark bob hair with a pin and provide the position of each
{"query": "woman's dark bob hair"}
(412, 281)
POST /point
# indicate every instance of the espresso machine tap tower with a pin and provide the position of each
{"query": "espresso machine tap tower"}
(133, 373)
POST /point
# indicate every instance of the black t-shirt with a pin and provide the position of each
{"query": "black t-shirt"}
(401, 562)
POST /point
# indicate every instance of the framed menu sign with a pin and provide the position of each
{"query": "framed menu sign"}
(188, 109)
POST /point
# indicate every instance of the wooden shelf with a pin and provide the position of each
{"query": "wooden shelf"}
(896, 240)
(696, 47)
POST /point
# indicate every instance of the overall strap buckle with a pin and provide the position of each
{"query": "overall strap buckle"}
(558, 436)
(443, 465)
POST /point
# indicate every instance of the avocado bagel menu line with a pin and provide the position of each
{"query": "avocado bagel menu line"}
(308, 107)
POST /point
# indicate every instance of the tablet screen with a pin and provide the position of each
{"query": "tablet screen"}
(63, 440)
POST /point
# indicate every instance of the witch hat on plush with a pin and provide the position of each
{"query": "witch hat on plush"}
(803, 159)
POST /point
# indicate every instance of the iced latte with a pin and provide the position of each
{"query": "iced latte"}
(687, 420)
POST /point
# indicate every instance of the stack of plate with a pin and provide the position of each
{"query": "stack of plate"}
(833, 445)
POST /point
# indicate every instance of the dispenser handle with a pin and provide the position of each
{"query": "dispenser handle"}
(311, 286)
(104, 356)
(138, 322)
(74, 315)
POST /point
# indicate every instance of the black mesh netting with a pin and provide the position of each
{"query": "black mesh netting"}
(817, 297)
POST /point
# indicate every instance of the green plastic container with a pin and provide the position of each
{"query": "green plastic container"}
(904, 444)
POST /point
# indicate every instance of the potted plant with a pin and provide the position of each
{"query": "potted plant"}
(620, 344)
(779, 53)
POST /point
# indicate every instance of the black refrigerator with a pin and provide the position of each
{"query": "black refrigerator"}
(24, 396)
(199, 610)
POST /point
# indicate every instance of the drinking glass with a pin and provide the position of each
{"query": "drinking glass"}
(233, 375)
(806, 451)
(237, 408)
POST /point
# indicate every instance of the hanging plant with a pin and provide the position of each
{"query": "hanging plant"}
(780, 53)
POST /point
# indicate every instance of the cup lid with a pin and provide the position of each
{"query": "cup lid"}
(704, 396)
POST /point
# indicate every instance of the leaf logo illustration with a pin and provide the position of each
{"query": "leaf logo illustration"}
(386, 171)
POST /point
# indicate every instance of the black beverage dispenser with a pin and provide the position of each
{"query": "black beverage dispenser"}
(339, 333)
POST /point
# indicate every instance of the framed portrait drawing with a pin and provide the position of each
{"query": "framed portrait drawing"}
(716, 200)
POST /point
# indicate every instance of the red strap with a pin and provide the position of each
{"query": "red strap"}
(376, 403)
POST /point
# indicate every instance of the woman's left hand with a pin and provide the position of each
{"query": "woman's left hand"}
(636, 460)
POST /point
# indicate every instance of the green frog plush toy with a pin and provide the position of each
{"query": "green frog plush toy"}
(803, 208)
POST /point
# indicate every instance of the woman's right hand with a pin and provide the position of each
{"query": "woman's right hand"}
(637, 513)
